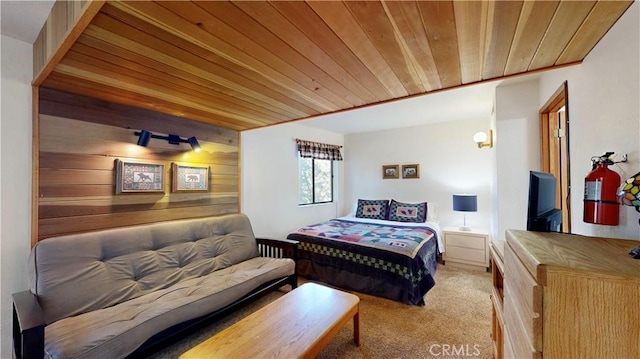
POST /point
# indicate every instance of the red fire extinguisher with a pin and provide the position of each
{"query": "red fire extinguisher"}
(601, 204)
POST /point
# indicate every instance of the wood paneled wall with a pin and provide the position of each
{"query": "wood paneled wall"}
(61, 20)
(80, 139)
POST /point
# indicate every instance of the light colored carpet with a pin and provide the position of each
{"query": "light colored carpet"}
(454, 323)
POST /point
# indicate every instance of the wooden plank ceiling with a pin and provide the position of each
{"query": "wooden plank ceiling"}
(244, 65)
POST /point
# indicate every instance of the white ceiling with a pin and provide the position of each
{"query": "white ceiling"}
(22, 20)
(470, 102)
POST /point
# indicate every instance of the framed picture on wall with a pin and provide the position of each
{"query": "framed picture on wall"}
(390, 171)
(139, 177)
(411, 171)
(189, 178)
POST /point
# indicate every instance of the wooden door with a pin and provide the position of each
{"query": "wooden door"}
(554, 146)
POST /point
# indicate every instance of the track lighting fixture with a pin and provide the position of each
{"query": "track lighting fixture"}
(145, 136)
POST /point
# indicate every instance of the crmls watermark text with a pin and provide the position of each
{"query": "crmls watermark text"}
(454, 350)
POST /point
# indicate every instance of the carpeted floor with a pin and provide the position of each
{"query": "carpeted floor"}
(455, 323)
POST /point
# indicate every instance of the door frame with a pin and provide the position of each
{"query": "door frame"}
(554, 149)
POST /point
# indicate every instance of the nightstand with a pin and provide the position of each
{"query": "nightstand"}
(466, 247)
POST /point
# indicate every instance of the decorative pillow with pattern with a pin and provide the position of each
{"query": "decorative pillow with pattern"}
(373, 209)
(407, 212)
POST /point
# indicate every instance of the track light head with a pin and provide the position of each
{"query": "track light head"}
(194, 144)
(145, 136)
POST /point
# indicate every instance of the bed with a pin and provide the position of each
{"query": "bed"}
(372, 252)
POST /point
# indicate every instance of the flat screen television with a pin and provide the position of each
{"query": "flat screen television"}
(542, 216)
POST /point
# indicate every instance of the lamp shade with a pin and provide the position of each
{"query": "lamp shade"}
(480, 137)
(465, 202)
(629, 192)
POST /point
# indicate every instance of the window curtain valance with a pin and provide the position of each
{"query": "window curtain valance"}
(317, 150)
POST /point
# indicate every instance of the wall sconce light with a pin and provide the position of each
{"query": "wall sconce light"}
(483, 140)
(145, 136)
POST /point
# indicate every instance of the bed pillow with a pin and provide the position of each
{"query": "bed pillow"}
(373, 209)
(407, 212)
(432, 209)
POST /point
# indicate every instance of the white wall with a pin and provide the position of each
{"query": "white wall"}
(15, 179)
(450, 162)
(269, 175)
(517, 152)
(604, 114)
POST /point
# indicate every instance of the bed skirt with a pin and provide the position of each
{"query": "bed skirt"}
(385, 275)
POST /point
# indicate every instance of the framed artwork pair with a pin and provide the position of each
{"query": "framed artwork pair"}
(408, 171)
(143, 177)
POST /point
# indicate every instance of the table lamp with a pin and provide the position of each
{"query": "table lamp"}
(465, 203)
(629, 194)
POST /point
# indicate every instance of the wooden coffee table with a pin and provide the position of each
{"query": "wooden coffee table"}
(297, 325)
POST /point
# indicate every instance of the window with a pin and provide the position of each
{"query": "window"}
(315, 171)
(315, 178)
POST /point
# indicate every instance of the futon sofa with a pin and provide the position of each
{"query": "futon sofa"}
(124, 292)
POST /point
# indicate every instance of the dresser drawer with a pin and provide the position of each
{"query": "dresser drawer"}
(467, 255)
(522, 302)
(467, 241)
(520, 342)
(507, 349)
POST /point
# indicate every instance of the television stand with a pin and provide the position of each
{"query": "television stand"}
(548, 222)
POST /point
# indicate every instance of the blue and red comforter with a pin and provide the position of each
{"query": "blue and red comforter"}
(391, 261)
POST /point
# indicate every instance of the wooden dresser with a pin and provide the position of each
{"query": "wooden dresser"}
(570, 296)
(497, 297)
